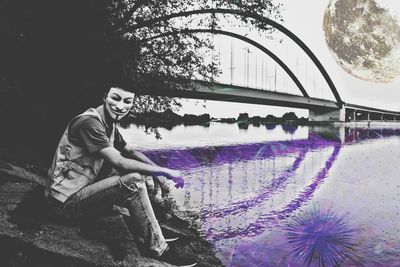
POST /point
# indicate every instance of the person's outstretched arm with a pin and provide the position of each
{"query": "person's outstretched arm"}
(122, 163)
(132, 153)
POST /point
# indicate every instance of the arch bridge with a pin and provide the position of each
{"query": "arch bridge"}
(320, 109)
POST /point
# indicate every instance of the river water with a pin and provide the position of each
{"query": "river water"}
(287, 195)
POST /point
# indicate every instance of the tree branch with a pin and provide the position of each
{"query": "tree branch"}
(149, 22)
(128, 15)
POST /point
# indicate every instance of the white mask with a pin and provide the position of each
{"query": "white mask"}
(118, 102)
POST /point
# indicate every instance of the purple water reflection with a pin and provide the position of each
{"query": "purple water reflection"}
(266, 220)
(355, 135)
(276, 183)
(202, 156)
(194, 158)
(225, 169)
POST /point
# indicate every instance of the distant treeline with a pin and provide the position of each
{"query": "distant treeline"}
(168, 119)
(287, 118)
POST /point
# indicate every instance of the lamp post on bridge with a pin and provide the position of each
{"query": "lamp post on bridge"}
(232, 61)
(262, 73)
(247, 68)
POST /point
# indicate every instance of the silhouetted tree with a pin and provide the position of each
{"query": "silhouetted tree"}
(256, 120)
(57, 56)
(271, 118)
(289, 116)
(243, 117)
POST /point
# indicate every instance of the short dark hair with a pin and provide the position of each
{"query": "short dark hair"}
(124, 84)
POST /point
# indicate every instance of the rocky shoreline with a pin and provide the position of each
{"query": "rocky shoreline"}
(31, 237)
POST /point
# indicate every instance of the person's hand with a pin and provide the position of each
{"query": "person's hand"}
(179, 182)
(176, 176)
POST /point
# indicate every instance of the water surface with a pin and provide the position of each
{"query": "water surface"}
(287, 196)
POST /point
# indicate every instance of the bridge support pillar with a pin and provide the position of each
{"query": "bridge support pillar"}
(338, 115)
(329, 132)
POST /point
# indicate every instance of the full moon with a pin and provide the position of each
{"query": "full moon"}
(364, 38)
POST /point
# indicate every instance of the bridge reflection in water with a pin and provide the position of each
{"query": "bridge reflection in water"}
(238, 192)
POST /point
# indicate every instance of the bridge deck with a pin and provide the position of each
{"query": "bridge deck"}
(369, 109)
(234, 93)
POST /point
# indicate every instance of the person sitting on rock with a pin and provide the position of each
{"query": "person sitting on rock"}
(92, 139)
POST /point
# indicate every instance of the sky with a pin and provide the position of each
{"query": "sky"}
(305, 19)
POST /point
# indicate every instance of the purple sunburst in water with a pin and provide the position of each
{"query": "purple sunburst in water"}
(319, 237)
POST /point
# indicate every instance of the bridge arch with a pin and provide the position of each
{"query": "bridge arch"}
(247, 40)
(260, 18)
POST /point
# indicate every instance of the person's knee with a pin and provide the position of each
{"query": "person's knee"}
(134, 178)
